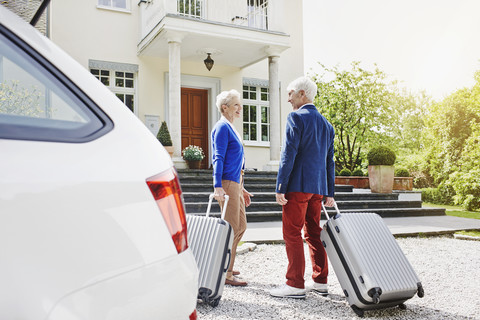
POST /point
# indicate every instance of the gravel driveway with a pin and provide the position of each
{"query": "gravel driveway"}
(448, 268)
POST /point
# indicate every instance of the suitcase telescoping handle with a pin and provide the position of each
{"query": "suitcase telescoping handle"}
(325, 210)
(210, 200)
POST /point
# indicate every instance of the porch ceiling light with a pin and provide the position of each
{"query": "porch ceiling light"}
(208, 62)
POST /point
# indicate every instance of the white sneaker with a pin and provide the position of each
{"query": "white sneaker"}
(285, 291)
(317, 287)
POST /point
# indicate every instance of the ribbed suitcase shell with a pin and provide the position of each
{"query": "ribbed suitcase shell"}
(210, 240)
(371, 267)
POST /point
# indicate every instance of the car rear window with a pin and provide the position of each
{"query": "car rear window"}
(38, 102)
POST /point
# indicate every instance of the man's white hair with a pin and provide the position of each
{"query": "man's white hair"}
(226, 97)
(306, 84)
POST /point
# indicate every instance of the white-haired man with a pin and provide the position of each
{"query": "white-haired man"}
(306, 175)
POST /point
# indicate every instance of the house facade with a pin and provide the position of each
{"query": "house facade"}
(153, 54)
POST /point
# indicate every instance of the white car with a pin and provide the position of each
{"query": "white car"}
(92, 220)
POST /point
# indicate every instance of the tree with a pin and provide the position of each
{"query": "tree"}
(357, 103)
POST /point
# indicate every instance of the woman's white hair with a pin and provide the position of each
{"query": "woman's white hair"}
(306, 84)
(225, 98)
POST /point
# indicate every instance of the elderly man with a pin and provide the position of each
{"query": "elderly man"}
(306, 175)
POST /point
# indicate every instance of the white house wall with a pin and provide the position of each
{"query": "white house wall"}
(86, 32)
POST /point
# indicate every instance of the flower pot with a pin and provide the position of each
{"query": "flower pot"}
(169, 150)
(381, 178)
(193, 164)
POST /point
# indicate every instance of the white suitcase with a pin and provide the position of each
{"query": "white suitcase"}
(210, 240)
(372, 269)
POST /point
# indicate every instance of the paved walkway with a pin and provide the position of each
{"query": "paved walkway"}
(405, 226)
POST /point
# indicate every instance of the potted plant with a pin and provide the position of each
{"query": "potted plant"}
(165, 139)
(193, 155)
(402, 180)
(381, 169)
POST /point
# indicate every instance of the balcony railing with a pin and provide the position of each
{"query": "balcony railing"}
(191, 8)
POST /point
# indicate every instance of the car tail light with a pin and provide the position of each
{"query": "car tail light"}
(167, 192)
(193, 316)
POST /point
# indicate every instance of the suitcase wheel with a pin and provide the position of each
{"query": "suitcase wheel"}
(420, 292)
(402, 306)
(215, 302)
(359, 312)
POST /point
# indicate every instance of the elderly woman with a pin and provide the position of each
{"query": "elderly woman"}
(228, 164)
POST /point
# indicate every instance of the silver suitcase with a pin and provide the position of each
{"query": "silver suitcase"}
(372, 269)
(210, 240)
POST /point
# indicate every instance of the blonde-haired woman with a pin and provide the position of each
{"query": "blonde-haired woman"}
(228, 161)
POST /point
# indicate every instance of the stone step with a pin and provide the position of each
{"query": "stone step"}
(254, 188)
(270, 196)
(198, 207)
(260, 216)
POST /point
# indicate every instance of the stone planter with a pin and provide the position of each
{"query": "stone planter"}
(381, 178)
(169, 150)
(355, 181)
(403, 183)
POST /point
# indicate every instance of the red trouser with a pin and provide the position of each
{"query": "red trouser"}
(303, 210)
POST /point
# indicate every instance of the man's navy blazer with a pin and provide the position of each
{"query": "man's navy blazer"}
(306, 163)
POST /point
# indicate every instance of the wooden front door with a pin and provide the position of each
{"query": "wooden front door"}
(195, 120)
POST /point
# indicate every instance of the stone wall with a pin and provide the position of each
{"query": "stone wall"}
(26, 9)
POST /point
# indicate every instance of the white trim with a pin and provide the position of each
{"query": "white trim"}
(213, 85)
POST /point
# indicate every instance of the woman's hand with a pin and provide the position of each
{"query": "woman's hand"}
(219, 194)
(246, 197)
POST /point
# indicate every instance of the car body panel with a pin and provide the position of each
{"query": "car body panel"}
(78, 222)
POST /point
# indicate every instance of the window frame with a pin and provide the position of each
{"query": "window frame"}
(127, 8)
(259, 104)
(16, 130)
(119, 90)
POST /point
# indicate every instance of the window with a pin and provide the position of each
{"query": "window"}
(257, 14)
(256, 115)
(121, 83)
(37, 102)
(190, 8)
(115, 4)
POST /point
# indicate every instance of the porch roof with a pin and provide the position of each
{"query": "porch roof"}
(229, 44)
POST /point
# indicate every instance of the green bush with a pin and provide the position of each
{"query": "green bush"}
(358, 172)
(401, 172)
(163, 135)
(444, 194)
(381, 155)
(345, 172)
(466, 186)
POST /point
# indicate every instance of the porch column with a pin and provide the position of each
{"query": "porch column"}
(274, 93)
(174, 97)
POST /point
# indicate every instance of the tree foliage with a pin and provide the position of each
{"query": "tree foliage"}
(357, 102)
(452, 140)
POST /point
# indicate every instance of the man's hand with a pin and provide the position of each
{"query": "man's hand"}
(219, 194)
(329, 202)
(281, 199)
(246, 197)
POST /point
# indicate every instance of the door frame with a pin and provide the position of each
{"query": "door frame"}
(213, 85)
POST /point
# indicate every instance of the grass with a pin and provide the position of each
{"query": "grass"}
(456, 211)
(473, 233)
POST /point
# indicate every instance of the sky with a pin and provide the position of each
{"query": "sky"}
(431, 45)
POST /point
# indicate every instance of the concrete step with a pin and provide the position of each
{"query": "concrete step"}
(261, 216)
(257, 206)
(270, 196)
(200, 187)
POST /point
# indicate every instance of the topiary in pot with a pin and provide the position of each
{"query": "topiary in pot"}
(381, 169)
(402, 172)
(358, 172)
(345, 172)
(382, 156)
(163, 135)
(165, 139)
